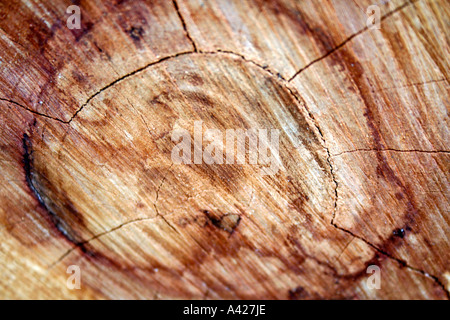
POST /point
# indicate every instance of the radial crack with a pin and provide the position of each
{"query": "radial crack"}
(389, 150)
(175, 4)
(84, 242)
(123, 78)
(156, 200)
(415, 84)
(339, 46)
(30, 110)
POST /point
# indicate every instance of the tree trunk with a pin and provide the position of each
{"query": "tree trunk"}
(93, 119)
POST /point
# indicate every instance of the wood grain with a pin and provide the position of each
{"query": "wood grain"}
(87, 179)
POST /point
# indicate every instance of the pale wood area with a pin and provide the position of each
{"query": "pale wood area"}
(87, 177)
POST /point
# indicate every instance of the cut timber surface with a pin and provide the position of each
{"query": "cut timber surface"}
(87, 177)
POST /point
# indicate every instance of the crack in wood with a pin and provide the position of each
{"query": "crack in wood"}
(342, 44)
(28, 149)
(30, 110)
(390, 150)
(177, 8)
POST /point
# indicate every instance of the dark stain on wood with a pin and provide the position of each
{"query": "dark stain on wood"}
(60, 223)
(384, 170)
(228, 222)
